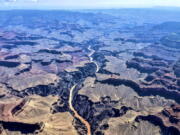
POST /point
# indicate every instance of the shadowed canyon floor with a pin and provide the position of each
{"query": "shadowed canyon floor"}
(90, 72)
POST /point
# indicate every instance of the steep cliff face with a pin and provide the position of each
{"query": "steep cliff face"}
(9, 64)
(167, 120)
(23, 128)
(89, 73)
(161, 79)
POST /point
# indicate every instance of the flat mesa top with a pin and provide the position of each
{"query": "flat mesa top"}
(90, 72)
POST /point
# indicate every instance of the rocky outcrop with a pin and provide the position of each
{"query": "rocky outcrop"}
(143, 90)
(168, 120)
(126, 69)
(23, 128)
(160, 79)
(26, 69)
(49, 51)
(21, 82)
(96, 112)
(11, 57)
(146, 66)
(9, 64)
(7, 110)
(14, 44)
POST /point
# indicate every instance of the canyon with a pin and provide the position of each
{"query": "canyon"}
(94, 72)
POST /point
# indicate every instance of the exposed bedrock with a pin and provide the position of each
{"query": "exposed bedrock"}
(160, 79)
(49, 51)
(61, 88)
(8, 109)
(59, 106)
(142, 54)
(19, 107)
(14, 44)
(11, 57)
(157, 121)
(145, 66)
(29, 67)
(167, 120)
(143, 90)
(9, 64)
(96, 112)
(100, 58)
(9, 122)
(24, 128)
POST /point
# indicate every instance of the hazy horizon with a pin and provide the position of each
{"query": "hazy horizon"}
(85, 4)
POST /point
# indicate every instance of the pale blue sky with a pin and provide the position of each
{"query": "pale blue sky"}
(63, 4)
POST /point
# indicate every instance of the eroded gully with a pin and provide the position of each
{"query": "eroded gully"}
(85, 122)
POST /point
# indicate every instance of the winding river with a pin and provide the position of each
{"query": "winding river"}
(91, 59)
(85, 122)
